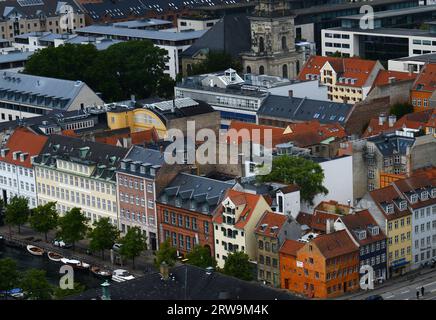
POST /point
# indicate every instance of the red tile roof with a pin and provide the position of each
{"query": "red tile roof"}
(276, 133)
(356, 68)
(415, 120)
(309, 133)
(291, 247)
(334, 244)
(248, 200)
(25, 141)
(383, 77)
(316, 221)
(269, 220)
(426, 80)
(361, 221)
(388, 195)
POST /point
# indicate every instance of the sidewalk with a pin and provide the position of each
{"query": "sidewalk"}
(143, 263)
(390, 284)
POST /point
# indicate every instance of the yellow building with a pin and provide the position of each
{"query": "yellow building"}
(164, 115)
(348, 80)
(76, 173)
(392, 213)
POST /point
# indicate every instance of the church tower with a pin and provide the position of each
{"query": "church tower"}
(272, 41)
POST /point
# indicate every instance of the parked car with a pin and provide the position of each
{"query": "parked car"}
(375, 297)
(62, 244)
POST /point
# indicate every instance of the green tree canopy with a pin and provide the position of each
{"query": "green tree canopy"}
(238, 265)
(215, 61)
(308, 175)
(62, 293)
(44, 218)
(201, 257)
(123, 69)
(103, 235)
(9, 276)
(17, 212)
(401, 109)
(133, 243)
(165, 253)
(73, 226)
(35, 284)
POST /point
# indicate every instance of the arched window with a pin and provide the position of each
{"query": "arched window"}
(261, 70)
(261, 44)
(248, 69)
(285, 71)
(284, 45)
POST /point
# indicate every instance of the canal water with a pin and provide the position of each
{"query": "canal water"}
(26, 261)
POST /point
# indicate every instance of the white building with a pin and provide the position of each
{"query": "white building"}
(411, 64)
(17, 176)
(173, 42)
(348, 41)
(194, 23)
(25, 96)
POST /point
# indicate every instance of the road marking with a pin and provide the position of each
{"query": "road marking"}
(391, 296)
(433, 290)
(403, 292)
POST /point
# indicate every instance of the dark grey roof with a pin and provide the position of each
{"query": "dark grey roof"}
(140, 34)
(138, 157)
(197, 193)
(38, 91)
(32, 9)
(143, 23)
(395, 13)
(429, 58)
(398, 32)
(190, 283)
(389, 144)
(231, 34)
(105, 157)
(303, 109)
(57, 119)
(15, 56)
(122, 9)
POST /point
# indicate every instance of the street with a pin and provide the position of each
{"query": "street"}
(403, 288)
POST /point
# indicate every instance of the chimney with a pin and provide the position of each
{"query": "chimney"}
(329, 228)
(105, 288)
(382, 118)
(391, 79)
(164, 270)
(392, 119)
(410, 67)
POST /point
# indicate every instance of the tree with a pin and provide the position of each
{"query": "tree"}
(73, 226)
(238, 265)
(201, 257)
(215, 61)
(401, 109)
(133, 243)
(103, 235)
(62, 293)
(8, 274)
(35, 284)
(124, 69)
(44, 218)
(17, 212)
(165, 87)
(308, 175)
(165, 253)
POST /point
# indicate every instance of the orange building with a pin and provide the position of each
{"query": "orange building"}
(325, 267)
(423, 88)
(387, 178)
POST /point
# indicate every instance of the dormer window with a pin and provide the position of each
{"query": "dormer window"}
(390, 208)
(123, 165)
(374, 230)
(424, 195)
(414, 198)
(361, 234)
(433, 193)
(403, 205)
(178, 202)
(152, 172)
